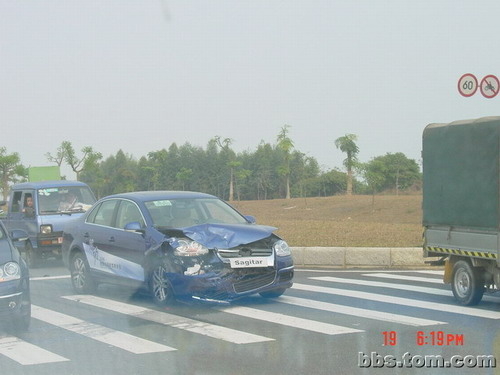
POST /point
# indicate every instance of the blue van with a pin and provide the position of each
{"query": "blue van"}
(42, 209)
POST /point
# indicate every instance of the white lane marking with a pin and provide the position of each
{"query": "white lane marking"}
(291, 321)
(190, 325)
(49, 277)
(431, 272)
(449, 308)
(25, 353)
(338, 270)
(411, 288)
(97, 332)
(403, 277)
(355, 311)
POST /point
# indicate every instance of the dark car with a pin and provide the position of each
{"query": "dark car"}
(177, 245)
(15, 301)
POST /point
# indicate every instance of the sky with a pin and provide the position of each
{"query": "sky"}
(138, 75)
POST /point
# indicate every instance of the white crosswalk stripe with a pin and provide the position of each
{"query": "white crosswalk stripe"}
(291, 321)
(195, 326)
(449, 308)
(379, 284)
(430, 272)
(109, 336)
(25, 353)
(404, 277)
(362, 313)
(405, 287)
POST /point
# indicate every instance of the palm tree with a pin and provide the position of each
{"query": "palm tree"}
(347, 144)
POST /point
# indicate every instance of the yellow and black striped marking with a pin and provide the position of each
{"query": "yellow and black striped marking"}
(476, 254)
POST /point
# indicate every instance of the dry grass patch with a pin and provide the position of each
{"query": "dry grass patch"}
(386, 221)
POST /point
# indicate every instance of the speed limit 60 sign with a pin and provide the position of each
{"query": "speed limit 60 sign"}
(467, 85)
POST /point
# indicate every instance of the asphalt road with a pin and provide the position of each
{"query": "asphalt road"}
(331, 322)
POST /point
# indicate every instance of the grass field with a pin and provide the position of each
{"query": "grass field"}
(386, 221)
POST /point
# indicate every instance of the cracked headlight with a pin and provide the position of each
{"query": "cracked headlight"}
(281, 248)
(10, 271)
(188, 248)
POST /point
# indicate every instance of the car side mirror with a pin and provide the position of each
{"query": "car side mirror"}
(134, 226)
(18, 235)
(251, 219)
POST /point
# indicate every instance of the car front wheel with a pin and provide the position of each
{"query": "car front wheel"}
(160, 286)
(81, 279)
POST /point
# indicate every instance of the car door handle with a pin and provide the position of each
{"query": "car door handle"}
(111, 239)
(86, 237)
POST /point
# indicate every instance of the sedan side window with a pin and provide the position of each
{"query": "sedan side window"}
(128, 212)
(104, 214)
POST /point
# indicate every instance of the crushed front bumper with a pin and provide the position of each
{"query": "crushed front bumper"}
(230, 284)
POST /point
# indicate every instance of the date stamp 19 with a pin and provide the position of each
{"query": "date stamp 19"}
(423, 338)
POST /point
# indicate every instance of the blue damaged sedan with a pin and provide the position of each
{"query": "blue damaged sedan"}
(177, 245)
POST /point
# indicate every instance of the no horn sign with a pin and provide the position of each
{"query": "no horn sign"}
(468, 85)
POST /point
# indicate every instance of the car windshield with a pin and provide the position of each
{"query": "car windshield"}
(179, 213)
(65, 199)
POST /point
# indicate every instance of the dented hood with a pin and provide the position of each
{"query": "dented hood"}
(226, 236)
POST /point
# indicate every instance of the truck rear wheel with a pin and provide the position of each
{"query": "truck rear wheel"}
(467, 283)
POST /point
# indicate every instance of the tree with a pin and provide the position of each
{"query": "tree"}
(58, 158)
(231, 162)
(10, 169)
(67, 153)
(374, 175)
(184, 175)
(348, 145)
(285, 144)
(401, 172)
(241, 175)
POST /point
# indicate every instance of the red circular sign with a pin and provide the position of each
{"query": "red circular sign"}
(489, 86)
(467, 85)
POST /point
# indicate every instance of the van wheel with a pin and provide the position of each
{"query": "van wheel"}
(467, 283)
(31, 256)
(159, 285)
(81, 279)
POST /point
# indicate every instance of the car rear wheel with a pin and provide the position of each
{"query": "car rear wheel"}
(275, 293)
(81, 279)
(32, 257)
(160, 286)
(467, 283)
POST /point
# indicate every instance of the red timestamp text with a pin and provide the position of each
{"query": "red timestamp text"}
(431, 338)
(439, 338)
(390, 338)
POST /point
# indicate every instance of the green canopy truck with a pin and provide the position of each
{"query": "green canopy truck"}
(461, 204)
